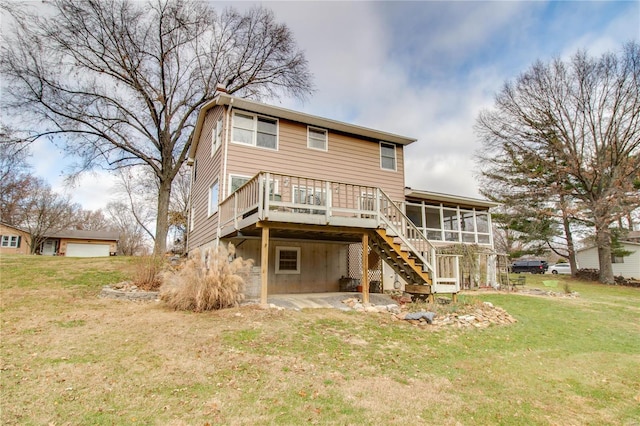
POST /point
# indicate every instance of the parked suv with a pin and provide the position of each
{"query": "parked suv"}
(533, 266)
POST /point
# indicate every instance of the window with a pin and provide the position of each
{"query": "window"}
(414, 213)
(10, 241)
(482, 220)
(616, 259)
(313, 196)
(213, 198)
(287, 260)
(251, 129)
(387, 156)
(316, 138)
(216, 137)
(237, 182)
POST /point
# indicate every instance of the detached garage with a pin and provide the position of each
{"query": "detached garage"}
(74, 243)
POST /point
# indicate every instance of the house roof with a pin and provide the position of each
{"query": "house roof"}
(592, 246)
(77, 234)
(448, 198)
(12, 227)
(86, 235)
(275, 111)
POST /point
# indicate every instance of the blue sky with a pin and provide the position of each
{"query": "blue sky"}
(420, 69)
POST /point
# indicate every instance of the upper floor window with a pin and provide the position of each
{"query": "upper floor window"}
(252, 129)
(387, 156)
(317, 138)
(237, 182)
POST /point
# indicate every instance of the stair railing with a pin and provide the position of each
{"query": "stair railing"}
(392, 216)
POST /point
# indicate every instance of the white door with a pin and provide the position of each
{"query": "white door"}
(87, 250)
(49, 248)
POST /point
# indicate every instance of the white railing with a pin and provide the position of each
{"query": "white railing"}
(281, 197)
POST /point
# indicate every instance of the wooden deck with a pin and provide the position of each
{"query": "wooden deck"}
(294, 204)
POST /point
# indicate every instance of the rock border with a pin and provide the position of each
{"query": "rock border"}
(128, 291)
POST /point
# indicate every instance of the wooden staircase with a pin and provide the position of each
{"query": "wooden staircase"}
(403, 262)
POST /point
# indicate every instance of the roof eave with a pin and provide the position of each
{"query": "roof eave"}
(448, 198)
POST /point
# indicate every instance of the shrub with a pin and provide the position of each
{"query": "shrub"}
(208, 282)
(147, 272)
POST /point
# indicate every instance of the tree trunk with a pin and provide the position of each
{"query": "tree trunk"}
(162, 223)
(566, 224)
(603, 241)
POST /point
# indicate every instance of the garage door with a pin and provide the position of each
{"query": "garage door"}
(87, 250)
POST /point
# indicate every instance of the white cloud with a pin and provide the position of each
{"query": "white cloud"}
(426, 69)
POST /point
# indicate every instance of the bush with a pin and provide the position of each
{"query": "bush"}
(147, 272)
(208, 282)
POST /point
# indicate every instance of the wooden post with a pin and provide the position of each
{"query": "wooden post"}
(264, 266)
(365, 268)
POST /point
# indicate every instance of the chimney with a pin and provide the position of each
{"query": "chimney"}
(221, 88)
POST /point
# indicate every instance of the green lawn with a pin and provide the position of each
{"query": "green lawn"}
(68, 357)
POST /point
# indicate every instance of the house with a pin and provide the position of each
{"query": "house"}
(321, 205)
(76, 243)
(627, 266)
(71, 243)
(13, 240)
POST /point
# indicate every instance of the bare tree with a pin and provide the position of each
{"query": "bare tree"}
(179, 209)
(138, 189)
(133, 239)
(91, 220)
(16, 180)
(570, 131)
(45, 212)
(123, 81)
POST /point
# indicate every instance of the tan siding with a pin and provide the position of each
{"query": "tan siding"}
(24, 240)
(208, 170)
(348, 159)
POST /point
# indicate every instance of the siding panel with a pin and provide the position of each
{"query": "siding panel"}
(348, 159)
(208, 169)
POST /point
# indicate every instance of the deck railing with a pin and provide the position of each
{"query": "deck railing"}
(281, 197)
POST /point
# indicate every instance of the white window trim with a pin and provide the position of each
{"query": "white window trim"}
(395, 157)
(8, 241)
(287, 271)
(254, 139)
(326, 138)
(216, 137)
(213, 208)
(231, 176)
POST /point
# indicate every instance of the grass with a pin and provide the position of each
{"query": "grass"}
(68, 357)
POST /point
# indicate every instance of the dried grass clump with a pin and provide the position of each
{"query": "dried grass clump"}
(146, 275)
(208, 282)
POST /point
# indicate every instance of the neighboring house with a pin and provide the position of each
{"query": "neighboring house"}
(318, 203)
(13, 240)
(71, 243)
(75, 243)
(627, 266)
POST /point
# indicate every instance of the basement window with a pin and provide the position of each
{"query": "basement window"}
(287, 260)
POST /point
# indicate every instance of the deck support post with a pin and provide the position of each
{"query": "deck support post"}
(264, 266)
(365, 268)
(454, 297)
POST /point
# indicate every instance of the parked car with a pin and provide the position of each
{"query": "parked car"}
(533, 266)
(560, 268)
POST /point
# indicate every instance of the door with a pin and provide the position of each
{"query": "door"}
(49, 248)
